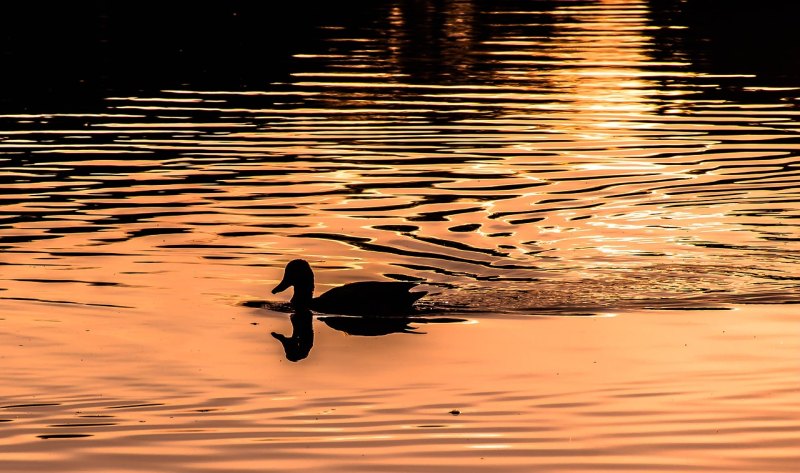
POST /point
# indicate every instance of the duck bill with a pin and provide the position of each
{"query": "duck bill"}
(284, 285)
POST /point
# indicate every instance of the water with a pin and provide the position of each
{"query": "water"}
(525, 162)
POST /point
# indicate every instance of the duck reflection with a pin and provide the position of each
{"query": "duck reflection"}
(369, 326)
(377, 326)
(298, 346)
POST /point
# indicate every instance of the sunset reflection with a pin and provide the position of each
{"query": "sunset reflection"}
(545, 235)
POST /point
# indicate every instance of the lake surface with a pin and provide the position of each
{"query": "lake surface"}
(602, 200)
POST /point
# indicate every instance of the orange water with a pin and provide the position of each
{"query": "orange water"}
(606, 203)
(209, 391)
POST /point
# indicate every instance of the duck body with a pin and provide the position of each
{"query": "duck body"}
(367, 298)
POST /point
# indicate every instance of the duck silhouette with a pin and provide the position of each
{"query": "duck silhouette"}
(369, 298)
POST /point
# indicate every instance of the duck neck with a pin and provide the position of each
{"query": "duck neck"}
(303, 293)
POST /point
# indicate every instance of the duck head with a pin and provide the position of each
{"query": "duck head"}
(298, 274)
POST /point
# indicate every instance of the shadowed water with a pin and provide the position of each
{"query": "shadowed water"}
(517, 159)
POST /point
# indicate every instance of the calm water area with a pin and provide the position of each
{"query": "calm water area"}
(601, 198)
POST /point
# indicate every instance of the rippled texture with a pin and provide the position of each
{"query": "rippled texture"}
(548, 152)
(663, 392)
(518, 159)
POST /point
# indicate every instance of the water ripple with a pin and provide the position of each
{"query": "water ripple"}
(607, 161)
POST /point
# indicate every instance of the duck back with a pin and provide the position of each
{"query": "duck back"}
(369, 299)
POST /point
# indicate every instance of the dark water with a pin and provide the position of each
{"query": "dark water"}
(160, 163)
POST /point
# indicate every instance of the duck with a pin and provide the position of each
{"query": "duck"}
(366, 298)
